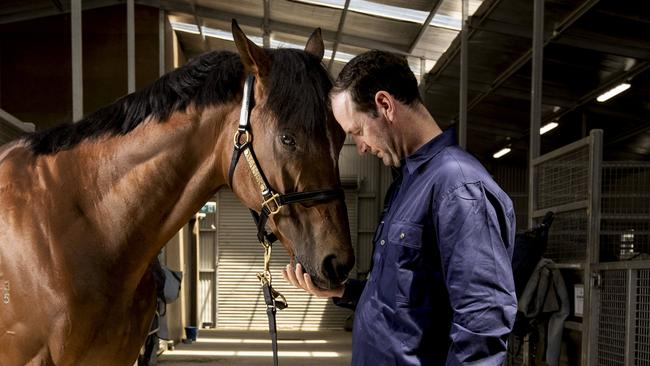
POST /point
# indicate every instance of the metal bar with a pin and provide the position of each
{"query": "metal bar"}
(593, 238)
(629, 74)
(561, 151)
(453, 50)
(567, 207)
(464, 71)
(535, 98)
(266, 39)
(251, 21)
(199, 25)
(425, 25)
(423, 69)
(130, 44)
(630, 312)
(523, 59)
(339, 31)
(608, 266)
(537, 77)
(161, 43)
(77, 61)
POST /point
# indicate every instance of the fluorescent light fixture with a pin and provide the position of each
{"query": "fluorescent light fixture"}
(613, 92)
(501, 152)
(547, 127)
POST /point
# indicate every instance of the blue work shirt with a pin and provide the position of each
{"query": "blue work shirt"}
(441, 290)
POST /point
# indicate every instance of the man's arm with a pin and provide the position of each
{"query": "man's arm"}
(474, 236)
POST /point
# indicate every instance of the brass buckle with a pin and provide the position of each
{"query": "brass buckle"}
(237, 137)
(274, 199)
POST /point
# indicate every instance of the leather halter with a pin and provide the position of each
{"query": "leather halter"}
(272, 202)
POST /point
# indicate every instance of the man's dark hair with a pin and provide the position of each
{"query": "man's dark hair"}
(375, 70)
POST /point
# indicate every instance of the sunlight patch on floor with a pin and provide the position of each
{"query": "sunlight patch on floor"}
(260, 341)
(252, 353)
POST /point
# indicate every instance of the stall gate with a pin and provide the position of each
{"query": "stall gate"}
(230, 256)
(600, 240)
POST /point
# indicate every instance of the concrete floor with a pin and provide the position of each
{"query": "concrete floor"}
(253, 348)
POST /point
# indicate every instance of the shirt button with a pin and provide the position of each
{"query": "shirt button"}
(382, 242)
(402, 235)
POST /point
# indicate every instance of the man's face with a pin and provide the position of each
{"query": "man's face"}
(371, 134)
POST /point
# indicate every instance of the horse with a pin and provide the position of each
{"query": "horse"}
(85, 207)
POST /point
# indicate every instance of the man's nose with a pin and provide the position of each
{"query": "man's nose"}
(362, 148)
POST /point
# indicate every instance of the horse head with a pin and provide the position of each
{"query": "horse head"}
(296, 142)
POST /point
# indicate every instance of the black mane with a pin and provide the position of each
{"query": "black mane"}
(298, 96)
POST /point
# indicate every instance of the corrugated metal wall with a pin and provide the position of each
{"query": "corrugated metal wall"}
(240, 303)
(374, 179)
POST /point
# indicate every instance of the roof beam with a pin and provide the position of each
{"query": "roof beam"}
(454, 48)
(425, 26)
(526, 57)
(339, 31)
(256, 22)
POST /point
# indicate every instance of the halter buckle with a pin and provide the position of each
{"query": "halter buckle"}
(274, 199)
(237, 138)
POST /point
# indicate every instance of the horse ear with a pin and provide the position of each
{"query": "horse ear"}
(254, 58)
(315, 44)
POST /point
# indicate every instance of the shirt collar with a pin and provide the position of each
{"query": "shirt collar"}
(429, 150)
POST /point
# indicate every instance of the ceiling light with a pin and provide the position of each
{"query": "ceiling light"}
(547, 127)
(613, 92)
(501, 152)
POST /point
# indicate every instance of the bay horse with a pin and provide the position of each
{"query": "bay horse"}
(86, 207)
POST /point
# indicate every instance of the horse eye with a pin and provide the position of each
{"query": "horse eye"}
(288, 140)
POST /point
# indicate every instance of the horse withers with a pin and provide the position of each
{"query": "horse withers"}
(85, 207)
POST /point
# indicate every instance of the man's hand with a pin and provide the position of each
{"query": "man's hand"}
(300, 279)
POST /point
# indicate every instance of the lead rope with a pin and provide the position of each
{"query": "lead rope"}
(273, 299)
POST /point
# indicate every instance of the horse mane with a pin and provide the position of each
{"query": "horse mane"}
(298, 89)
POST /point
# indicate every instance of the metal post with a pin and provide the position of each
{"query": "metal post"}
(267, 29)
(535, 97)
(130, 42)
(589, 322)
(462, 105)
(77, 61)
(161, 43)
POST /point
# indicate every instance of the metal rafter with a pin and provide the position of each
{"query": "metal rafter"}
(425, 25)
(255, 22)
(339, 31)
(453, 50)
(526, 57)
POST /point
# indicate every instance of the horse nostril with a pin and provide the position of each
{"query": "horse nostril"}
(335, 270)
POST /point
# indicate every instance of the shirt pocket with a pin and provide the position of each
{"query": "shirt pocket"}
(405, 240)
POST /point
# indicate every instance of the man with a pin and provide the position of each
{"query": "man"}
(440, 291)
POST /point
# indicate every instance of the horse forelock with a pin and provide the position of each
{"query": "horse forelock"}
(298, 89)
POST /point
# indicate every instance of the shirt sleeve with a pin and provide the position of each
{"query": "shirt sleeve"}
(351, 294)
(475, 236)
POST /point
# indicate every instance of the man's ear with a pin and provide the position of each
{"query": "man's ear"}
(255, 59)
(385, 104)
(315, 44)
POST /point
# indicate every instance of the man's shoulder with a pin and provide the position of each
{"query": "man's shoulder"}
(454, 168)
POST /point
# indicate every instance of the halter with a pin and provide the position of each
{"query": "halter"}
(272, 202)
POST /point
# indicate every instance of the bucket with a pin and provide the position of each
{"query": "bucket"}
(191, 333)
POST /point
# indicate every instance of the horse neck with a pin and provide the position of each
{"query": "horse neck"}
(136, 191)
